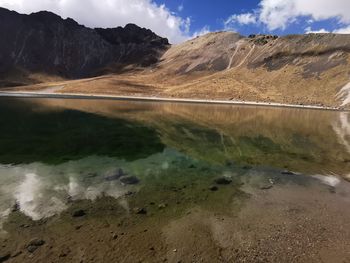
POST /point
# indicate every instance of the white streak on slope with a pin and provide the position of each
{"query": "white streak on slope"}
(344, 94)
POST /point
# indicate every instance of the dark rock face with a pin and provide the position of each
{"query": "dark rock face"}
(45, 43)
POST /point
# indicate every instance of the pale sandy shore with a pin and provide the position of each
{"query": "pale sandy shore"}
(39, 94)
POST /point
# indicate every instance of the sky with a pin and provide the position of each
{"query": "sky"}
(180, 20)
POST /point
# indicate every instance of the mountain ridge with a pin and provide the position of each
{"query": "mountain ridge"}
(43, 42)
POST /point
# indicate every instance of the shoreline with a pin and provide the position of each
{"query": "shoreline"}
(19, 94)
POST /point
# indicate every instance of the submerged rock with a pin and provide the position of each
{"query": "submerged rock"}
(286, 172)
(223, 180)
(129, 180)
(4, 257)
(140, 211)
(266, 187)
(79, 213)
(162, 206)
(247, 167)
(213, 188)
(230, 163)
(115, 175)
(34, 244)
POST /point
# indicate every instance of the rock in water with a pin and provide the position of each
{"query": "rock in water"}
(79, 213)
(223, 180)
(266, 187)
(129, 180)
(116, 175)
(213, 188)
(286, 172)
(140, 211)
(162, 206)
(34, 244)
(5, 257)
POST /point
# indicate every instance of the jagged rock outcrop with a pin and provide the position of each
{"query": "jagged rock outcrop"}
(45, 43)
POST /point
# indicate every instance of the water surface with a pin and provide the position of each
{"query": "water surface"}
(104, 180)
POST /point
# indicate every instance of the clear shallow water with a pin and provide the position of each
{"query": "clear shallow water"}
(59, 156)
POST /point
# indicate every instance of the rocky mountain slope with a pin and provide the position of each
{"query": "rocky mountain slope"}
(312, 69)
(45, 44)
(298, 69)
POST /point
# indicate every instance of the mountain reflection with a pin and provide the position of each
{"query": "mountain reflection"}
(61, 151)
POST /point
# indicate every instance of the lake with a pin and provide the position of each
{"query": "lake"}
(84, 180)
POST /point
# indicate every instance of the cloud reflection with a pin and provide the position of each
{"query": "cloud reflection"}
(41, 190)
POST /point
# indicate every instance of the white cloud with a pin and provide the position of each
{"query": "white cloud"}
(180, 8)
(308, 30)
(243, 19)
(344, 30)
(279, 14)
(111, 13)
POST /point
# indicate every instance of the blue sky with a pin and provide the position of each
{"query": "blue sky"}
(180, 20)
(213, 14)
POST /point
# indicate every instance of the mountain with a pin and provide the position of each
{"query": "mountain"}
(312, 69)
(45, 44)
(299, 69)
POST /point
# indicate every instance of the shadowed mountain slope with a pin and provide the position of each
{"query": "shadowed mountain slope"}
(45, 44)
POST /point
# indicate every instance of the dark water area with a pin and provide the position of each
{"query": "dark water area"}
(122, 181)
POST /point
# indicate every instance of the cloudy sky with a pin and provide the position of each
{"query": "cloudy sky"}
(179, 20)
